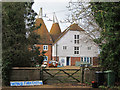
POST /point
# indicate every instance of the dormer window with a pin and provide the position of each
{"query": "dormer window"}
(76, 39)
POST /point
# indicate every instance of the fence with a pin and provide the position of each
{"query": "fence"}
(25, 74)
(51, 76)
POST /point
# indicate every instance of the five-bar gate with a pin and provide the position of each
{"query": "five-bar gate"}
(53, 75)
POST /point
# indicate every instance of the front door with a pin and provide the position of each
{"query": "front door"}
(68, 61)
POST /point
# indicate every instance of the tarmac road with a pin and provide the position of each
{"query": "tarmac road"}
(51, 87)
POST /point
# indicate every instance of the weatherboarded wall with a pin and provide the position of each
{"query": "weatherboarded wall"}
(68, 41)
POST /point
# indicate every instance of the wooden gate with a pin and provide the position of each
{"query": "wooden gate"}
(51, 76)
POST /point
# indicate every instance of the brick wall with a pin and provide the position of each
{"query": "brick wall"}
(74, 59)
(48, 52)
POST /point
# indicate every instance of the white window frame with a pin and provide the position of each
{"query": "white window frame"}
(82, 59)
(76, 39)
(88, 59)
(64, 47)
(77, 50)
(85, 59)
(46, 47)
(89, 48)
(45, 58)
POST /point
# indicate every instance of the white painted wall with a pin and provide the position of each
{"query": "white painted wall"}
(68, 40)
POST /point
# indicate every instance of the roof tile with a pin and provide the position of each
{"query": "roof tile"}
(45, 37)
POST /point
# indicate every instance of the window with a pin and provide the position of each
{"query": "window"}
(45, 58)
(76, 50)
(89, 48)
(76, 39)
(81, 59)
(45, 47)
(86, 59)
(64, 47)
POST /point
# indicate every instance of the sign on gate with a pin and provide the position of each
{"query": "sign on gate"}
(25, 83)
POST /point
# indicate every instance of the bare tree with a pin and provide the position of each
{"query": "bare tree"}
(81, 13)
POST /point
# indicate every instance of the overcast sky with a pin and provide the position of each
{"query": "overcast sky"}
(50, 6)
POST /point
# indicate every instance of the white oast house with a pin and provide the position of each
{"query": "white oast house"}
(70, 47)
(74, 45)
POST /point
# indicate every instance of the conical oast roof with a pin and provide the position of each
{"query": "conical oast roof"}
(45, 37)
(55, 29)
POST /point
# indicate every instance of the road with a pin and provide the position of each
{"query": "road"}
(51, 87)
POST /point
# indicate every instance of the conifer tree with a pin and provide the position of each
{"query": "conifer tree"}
(108, 18)
(18, 36)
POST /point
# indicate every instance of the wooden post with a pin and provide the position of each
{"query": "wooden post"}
(41, 74)
(82, 74)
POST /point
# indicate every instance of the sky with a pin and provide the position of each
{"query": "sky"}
(50, 6)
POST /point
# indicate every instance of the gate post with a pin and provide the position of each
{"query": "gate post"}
(82, 74)
(41, 74)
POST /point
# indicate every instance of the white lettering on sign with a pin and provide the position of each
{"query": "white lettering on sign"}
(25, 83)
